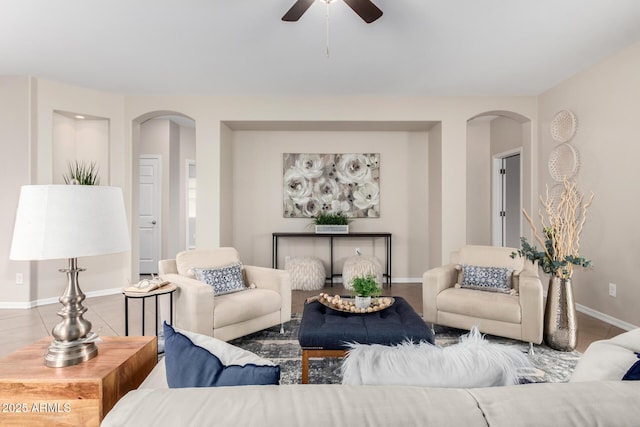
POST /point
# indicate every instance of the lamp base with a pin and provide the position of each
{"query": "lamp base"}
(64, 353)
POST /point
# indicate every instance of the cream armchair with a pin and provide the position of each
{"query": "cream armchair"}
(518, 315)
(231, 315)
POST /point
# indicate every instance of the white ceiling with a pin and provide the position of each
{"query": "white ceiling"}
(241, 47)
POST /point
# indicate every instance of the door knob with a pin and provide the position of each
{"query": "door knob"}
(153, 222)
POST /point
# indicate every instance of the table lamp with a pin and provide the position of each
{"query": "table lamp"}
(69, 221)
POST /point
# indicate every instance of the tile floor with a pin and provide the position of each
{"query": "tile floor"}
(21, 327)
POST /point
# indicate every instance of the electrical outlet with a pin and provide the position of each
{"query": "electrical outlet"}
(612, 290)
(19, 279)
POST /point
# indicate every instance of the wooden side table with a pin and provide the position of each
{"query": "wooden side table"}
(81, 395)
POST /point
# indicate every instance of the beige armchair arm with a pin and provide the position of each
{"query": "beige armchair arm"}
(531, 304)
(435, 281)
(193, 304)
(276, 280)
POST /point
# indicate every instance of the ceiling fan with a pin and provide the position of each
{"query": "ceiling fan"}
(368, 11)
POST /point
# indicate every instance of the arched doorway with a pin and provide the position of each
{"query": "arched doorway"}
(499, 181)
(163, 187)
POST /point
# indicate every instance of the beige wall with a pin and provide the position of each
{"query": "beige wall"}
(257, 196)
(506, 135)
(606, 101)
(187, 152)
(211, 114)
(434, 160)
(478, 207)
(447, 150)
(104, 272)
(15, 151)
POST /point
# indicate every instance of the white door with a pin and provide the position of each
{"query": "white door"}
(507, 212)
(149, 220)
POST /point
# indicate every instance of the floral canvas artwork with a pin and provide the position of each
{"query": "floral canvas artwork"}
(331, 183)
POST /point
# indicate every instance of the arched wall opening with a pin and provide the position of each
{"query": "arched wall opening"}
(492, 136)
(162, 150)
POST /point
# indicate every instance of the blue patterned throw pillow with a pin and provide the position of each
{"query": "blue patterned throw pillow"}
(494, 279)
(224, 280)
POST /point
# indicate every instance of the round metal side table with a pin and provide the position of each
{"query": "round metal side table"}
(166, 289)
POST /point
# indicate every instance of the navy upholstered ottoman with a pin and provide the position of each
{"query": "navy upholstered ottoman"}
(325, 332)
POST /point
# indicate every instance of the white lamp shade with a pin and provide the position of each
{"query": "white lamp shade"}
(69, 221)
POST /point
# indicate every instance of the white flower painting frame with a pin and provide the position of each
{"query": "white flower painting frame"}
(331, 183)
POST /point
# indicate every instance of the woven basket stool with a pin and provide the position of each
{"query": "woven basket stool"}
(307, 273)
(360, 265)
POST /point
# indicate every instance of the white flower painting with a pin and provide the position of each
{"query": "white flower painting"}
(331, 183)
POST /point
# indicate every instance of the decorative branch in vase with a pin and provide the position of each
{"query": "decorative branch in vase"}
(562, 222)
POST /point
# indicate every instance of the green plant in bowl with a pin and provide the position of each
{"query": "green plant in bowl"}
(366, 286)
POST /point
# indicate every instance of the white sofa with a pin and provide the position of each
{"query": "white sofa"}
(599, 400)
(231, 315)
(518, 316)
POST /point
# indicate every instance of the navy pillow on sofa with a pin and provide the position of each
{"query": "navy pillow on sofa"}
(633, 374)
(189, 365)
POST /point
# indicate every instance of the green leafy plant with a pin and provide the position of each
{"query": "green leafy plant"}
(327, 218)
(81, 174)
(365, 286)
(547, 260)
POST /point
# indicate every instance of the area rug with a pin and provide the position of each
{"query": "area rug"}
(549, 365)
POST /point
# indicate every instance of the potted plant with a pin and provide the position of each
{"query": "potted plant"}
(329, 222)
(79, 173)
(364, 287)
(560, 240)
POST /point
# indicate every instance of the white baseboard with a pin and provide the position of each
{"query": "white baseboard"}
(9, 305)
(54, 300)
(416, 281)
(605, 318)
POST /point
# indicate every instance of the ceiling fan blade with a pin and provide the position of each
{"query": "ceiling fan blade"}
(297, 10)
(368, 11)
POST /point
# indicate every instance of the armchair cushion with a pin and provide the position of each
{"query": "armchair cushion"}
(190, 365)
(234, 308)
(481, 305)
(224, 280)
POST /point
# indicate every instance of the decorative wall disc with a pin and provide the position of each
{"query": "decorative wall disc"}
(563, 126)
(563, 162)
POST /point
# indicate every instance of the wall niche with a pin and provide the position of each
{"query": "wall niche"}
(82, 138)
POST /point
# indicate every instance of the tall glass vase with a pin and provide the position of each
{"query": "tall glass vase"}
(560, 322)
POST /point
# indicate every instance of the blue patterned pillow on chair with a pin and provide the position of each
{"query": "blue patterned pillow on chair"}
(493, 279)
(224, 280)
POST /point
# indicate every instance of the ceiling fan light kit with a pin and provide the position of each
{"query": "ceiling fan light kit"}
(365, 9)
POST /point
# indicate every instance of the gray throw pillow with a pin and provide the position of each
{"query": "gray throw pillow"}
(494, 279)
(224, 280)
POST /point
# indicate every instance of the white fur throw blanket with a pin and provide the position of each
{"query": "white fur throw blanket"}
(473, 362)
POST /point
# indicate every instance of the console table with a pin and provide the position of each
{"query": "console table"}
(387, 242)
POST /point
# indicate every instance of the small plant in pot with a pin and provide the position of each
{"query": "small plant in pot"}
(328, 222)
(365, 287)
(80, 173)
